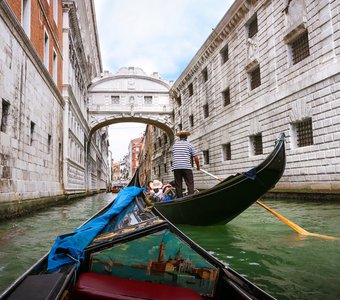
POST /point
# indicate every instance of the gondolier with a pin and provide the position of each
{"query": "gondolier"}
(182, 155)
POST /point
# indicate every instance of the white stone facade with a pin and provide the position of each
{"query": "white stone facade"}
(31, 142)
(82, 62)
(46, 147)
(289, 92)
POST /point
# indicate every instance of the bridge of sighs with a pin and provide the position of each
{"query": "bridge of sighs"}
(130, 96)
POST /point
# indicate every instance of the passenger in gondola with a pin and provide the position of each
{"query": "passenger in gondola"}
(156, 192)
(169, 191)
(183, 154)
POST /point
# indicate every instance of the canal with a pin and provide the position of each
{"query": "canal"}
(256, 244)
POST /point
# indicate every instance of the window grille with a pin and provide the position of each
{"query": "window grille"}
(227, 151)
(114, 99)
(206, 110)
(206, 157)
(257, 144)
(226, 97)
(191, 89)
(300, 48)
(191, 120)
(304, 132)
(252, 27)
(225, 54)
(255, 78)
(148, 99)
(205, 75)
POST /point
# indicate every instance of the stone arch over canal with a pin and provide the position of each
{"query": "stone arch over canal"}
(130, 95)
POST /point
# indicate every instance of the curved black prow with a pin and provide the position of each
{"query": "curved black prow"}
(135, 179)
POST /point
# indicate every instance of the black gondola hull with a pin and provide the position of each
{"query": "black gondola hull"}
(228, 199)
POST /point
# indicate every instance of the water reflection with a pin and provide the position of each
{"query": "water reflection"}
(275, 257)
(256, 244)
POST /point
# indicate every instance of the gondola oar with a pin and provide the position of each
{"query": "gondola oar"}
(291, 224)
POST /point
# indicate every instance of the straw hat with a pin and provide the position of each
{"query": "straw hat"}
(156, 184)
(183, 133)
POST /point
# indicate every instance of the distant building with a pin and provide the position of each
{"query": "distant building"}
(135, 148)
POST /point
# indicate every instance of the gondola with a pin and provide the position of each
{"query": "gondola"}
(227, 199)
(134, 254)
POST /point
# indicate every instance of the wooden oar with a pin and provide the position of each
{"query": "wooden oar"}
(291, 224)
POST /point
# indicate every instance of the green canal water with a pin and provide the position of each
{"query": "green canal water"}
(256, 244)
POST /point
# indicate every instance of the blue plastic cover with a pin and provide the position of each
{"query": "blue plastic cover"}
(70, 247)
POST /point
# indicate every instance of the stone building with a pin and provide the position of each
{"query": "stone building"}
(268, 67)
(82, 63)
(135, 148)
(46, 63)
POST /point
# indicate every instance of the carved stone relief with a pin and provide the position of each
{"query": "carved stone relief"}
(300, 110)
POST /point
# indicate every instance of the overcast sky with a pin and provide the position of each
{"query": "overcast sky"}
(156, 35)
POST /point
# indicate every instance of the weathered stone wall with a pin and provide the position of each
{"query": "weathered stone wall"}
(288, 92)
(30, 143)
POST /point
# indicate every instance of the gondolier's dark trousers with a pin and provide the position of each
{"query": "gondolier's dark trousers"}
(188, 177)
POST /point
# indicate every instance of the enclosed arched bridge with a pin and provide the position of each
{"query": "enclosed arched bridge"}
(130, 96)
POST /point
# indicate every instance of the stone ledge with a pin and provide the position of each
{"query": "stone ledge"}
(303, 194)
(18, 208)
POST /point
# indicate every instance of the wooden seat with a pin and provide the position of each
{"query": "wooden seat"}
(99, 286)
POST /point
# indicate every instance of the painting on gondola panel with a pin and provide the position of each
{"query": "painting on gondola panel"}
(161, 257)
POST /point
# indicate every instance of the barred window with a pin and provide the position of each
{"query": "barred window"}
(226, 148)
(252, 27)
(256, 144)
(206, 110)
(114, 99)
(191, 89)
(148, 99)
(225, 54)
(226, 97)
(255, 78)
(304, 133)
(300, 48)
(206, 160)
(205, 75)
(191, 120)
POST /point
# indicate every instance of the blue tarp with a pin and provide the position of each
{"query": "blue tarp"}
(74, 243)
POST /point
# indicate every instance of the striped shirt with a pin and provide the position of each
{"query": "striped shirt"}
(182, 154)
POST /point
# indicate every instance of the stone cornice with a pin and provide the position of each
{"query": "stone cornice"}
(78, 42)
(135, 76)
(20, 35)
(94, 21)
(222, 31)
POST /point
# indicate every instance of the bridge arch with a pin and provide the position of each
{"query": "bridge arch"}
(130, 96)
